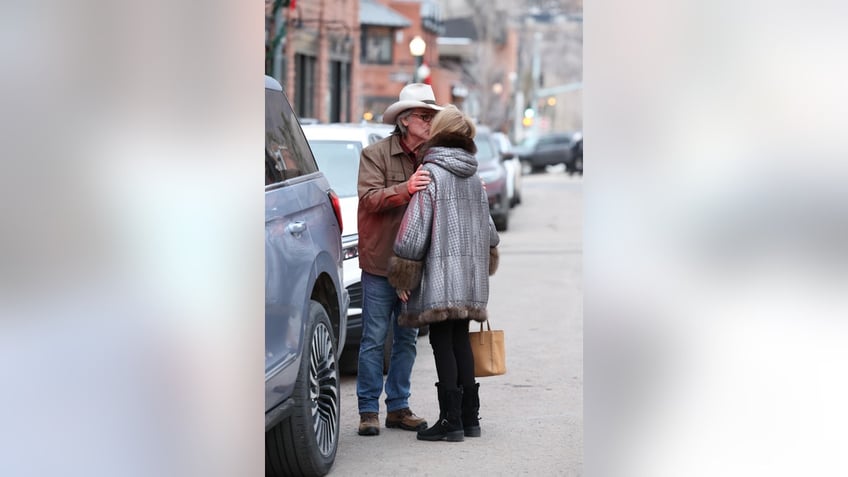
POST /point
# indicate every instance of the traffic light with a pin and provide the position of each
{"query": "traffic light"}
(529, 114)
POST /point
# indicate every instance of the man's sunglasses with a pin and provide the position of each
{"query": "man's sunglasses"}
(424, 117)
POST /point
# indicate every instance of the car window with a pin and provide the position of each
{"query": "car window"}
(339, 160)
(546, 141)
(485, 148)
(287, 154)
(374, 137)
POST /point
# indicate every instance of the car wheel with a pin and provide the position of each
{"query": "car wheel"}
(305, 443)
(501, 222)
(578, 165)
(349, 364)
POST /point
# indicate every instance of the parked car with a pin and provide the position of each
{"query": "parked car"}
(305, 302)
(554, 148)
(337, 148)
(491, 170)
(577, 152)
(512, 164)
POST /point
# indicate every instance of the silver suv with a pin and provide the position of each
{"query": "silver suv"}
(305, 302)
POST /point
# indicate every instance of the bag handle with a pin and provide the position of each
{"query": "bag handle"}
(488, 325)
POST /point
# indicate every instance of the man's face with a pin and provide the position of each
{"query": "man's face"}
(418, 123)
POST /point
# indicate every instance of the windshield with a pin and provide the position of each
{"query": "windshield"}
(339, 161)
(485, 148)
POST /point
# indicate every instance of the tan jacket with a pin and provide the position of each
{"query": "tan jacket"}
(384, 170)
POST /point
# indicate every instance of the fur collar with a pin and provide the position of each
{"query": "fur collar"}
(449, 140)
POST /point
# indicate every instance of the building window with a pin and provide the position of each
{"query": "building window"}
(306, 84)
(376, 105)
(376, 45)
(339, 82)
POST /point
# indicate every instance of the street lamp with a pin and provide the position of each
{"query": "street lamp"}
(417, 46)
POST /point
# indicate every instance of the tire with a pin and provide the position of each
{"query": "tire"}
(501, 222)
(349, 364)
(578, 165)
(305, 443)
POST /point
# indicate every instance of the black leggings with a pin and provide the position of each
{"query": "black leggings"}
(452, 351)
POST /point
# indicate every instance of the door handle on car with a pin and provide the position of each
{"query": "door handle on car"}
(296, 227)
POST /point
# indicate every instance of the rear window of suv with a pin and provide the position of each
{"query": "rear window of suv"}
(287, 153)
(485, 148)
(339, 160)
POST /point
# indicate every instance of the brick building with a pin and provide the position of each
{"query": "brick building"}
(347, 60)
(315, 54)
(387, 63)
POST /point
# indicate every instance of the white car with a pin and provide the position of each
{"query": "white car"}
(512, 163)
(336, 148)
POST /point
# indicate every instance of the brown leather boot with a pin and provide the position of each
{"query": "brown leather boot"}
(369, 424)
(405, 419)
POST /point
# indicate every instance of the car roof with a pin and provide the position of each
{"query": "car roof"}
(483, 129)
(271, 83)
(346, 131)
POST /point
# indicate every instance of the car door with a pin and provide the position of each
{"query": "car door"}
(296, 206)
(547, 151)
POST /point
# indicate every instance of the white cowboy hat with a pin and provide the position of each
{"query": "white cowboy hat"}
(415, 95)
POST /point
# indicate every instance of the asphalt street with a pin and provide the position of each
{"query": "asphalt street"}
(532, 417)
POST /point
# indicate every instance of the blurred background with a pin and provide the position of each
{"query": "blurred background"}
(515, 66)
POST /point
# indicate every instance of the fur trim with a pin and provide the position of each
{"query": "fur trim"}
(435, 315)
(449, 140)
(405, 274)
(494, 260)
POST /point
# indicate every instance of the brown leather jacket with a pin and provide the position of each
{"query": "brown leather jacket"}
(384, 169)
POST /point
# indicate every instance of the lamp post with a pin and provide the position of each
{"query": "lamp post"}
(417, 46)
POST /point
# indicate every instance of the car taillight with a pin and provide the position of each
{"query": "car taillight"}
(351, 251)
(337, 208)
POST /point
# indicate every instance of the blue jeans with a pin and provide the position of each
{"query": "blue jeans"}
(380, 308)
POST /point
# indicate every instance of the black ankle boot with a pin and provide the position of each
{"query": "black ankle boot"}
(470, 410)
(449, 425)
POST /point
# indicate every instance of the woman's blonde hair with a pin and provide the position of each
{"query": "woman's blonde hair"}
(451, 120)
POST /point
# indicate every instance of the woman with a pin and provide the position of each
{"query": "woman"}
(444, 254)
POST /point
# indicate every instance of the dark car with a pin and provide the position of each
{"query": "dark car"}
(551, 149)
(305, 302)
(491, 170)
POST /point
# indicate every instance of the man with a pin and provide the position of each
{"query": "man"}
(389, 173)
